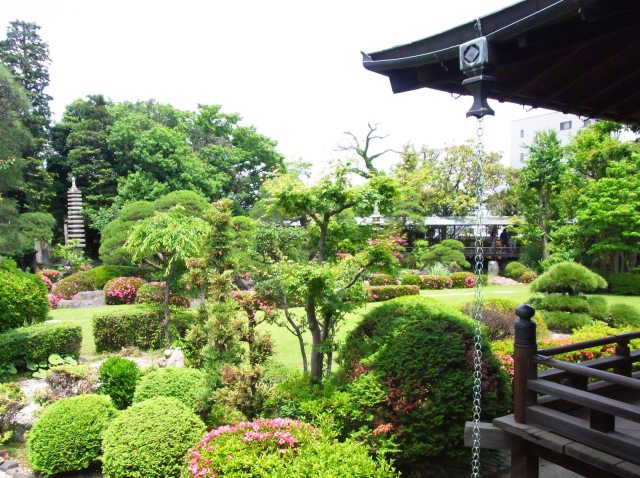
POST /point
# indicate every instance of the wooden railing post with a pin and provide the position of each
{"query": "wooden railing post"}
(524, 463)
(622, 349)
(524, 348)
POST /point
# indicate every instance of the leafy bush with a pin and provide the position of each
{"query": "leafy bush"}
(92, 279)
(437, 269)
(514, 270)
(382, 279)
(280, 447)
(568, 278)
(68, 435)
(185, 384)
(499, 316)
(625, 314)
(150, 439)
(381, 293)
(459, 279)
(153, 293)
(23, 300)
(528, 276)
(11, 401)
(37, 342)
(624, 284)
(565, 322)
(419, 354)
(122, 290)
(436, 282)
(566, 303)
(449, 252)
(118, 379)
(598, 308)
(411, 279)
(142, 329)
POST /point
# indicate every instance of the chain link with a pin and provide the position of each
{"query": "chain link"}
(477, 303)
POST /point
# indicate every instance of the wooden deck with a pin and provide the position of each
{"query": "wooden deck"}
(494, 253)
(584, 417)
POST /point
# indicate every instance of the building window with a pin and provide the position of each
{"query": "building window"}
(587, 122)
(522, 133)
(521, 157)
(565, 125)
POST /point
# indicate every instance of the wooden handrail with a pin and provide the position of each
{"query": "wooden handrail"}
(588, 372)
(615, 339)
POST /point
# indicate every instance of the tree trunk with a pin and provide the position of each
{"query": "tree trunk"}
(251, 337)
(543, 223)
(299, 336)
(165, 306)
(317, 357)
(324, 226)
(327, 327)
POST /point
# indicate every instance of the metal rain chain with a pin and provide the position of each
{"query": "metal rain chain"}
(474, 62)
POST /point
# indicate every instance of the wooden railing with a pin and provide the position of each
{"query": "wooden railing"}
(578, 401)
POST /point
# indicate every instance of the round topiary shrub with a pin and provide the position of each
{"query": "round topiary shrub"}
(565, 322)
(568, 278)
(624, 315)
(280, 447)
(420, 353)
(68, 435)
(118, 378)
(184, 384)
(122, 290)
(150, 440)
(23, 300)
(514, 270)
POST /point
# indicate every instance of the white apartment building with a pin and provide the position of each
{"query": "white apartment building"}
(524, 130)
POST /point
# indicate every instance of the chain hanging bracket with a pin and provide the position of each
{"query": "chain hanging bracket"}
(475, 64)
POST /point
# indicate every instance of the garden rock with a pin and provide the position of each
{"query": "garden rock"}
(173, 358)
(26, 416)
(90, 298)
(498, 280)
(9, 464)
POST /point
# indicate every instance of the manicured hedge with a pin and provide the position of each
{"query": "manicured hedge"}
(411, 279)
(142, 329)
(150, 440)
(624, 284)
(92, 279)
(566, 303)
(382, 279)
(68, 435)
(23, 299)
(565, 322)
(37, 342)
(436, 282)
(385, 292)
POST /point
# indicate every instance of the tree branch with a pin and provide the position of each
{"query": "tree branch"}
(152, 264)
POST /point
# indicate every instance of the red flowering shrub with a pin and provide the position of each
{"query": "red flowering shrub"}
(381, 293)
(382, 279)
(154, 292)
(46, 280)
(470, 282)
(51, 274)
(53, 300)
(436, 282)
(122, 290)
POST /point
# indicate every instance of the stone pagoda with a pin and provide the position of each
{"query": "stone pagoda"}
(74, 226)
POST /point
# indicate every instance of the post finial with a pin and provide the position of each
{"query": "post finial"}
(525, 328)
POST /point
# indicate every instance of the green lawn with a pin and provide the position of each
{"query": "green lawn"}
(287, 350)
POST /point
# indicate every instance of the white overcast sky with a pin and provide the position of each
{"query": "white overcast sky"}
(292, 68)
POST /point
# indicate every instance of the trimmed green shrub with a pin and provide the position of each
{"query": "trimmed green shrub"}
(37, 342)
(499, 317)
(122, 290)
(382, 279)
(566, 303)
(514, 270)
(460, 280)
(23, 300)
(185, 384)
(624, 284)
(449, 252)
(118, 379)
(419, 353)
(68, 435)
(142, 329)
(625, 314)
(568, 278)
(92, 279)
(453, 244)
(11, 401)
(436, 282)
(565, 322)
(381, 293)
(150, 440)
(598, 308)
(411, 279)
(281, 447)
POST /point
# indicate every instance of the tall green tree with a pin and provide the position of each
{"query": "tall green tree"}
(540, 186)
(26, 56)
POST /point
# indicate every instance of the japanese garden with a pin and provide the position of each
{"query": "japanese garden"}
(177, 299)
